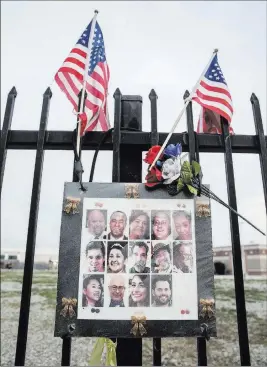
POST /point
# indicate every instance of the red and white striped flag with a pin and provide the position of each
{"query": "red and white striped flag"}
(209, 122)
(90, 64)
(214, 96)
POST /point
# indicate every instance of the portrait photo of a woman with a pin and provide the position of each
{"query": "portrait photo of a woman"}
(139, 290)
(139, 228)
(117, 257)
(93, 291)
(182, 225)
(161, 225)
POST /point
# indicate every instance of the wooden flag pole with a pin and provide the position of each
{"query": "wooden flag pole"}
(85, 77)
(181, 113)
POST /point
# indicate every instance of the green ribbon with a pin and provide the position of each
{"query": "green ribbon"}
(111, 359)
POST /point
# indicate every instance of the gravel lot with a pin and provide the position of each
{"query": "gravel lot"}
(45, 350)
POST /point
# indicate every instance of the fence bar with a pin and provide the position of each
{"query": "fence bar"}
(66, 351)
(201, 342)
(75, 176)
(261, 141)
(116, 136)
(154, 141)
(154, 118)
(62, 140)
(4, 132)
(126, 169)
(66, 340)
(190, 128)
(236, 250)
(31, 237)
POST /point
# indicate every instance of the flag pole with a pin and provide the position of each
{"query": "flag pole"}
(85, 77)
(184, 108)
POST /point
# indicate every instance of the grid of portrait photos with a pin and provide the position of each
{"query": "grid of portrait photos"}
(138, 256)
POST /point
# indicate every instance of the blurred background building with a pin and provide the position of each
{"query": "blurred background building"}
(254, 259)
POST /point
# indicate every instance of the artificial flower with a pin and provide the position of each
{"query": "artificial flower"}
(171, 170)
(159, 164)
(152, 153)
(153, 177)
(173, 150)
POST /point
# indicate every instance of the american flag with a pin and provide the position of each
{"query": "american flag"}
(70, 79)
(209, 122)
(212, 92)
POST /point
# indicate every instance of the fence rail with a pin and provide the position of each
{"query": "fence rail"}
(125, 169)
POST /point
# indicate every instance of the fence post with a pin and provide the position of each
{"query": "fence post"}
(201, 342)
(126, 169)
(190, 128)
(31, 237)
(116, 139)
(261, 141)
(236, 249)
(76, 176)
(4, 132)
(154, 141)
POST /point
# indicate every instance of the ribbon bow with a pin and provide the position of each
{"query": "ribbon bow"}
(72, 205)
(68, 304)
(138, 322)
(97, 353)
(203, 210)
(131, 191)
(207, 305)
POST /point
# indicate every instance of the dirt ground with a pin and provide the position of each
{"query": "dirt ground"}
(45, 350)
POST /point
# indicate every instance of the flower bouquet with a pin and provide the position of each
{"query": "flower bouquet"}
(177, 174)
(173, 171)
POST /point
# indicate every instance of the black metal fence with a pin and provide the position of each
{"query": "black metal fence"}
(125, 146)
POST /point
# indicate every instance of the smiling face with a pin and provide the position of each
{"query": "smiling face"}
(161, 226)
(116, 261)
(92, 292)
(183, 259)
(138, 227)
(117, 224)
(139, 258)
(96, 222)
(183, 227)
(95, 260)
(162, 259)
(162, 293)
(117, 288)
(138, 290)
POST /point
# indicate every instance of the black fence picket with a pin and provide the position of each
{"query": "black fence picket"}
(31, 237)
(126, 145)
(4, 131)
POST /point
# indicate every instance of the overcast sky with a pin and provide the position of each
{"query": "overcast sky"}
(160, 45)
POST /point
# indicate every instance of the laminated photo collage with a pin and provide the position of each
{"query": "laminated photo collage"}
(137, 254)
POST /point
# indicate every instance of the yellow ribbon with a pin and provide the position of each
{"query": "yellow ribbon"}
(138, 322)
(68, 304)
(111, 359)
(207, 305)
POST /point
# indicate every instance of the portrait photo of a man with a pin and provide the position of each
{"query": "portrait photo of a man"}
(117, 285)
(161, 258)
(182, 257)
(117, 225)
(139, 257)
(161, 291)
(96, 223)
(95, 257)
